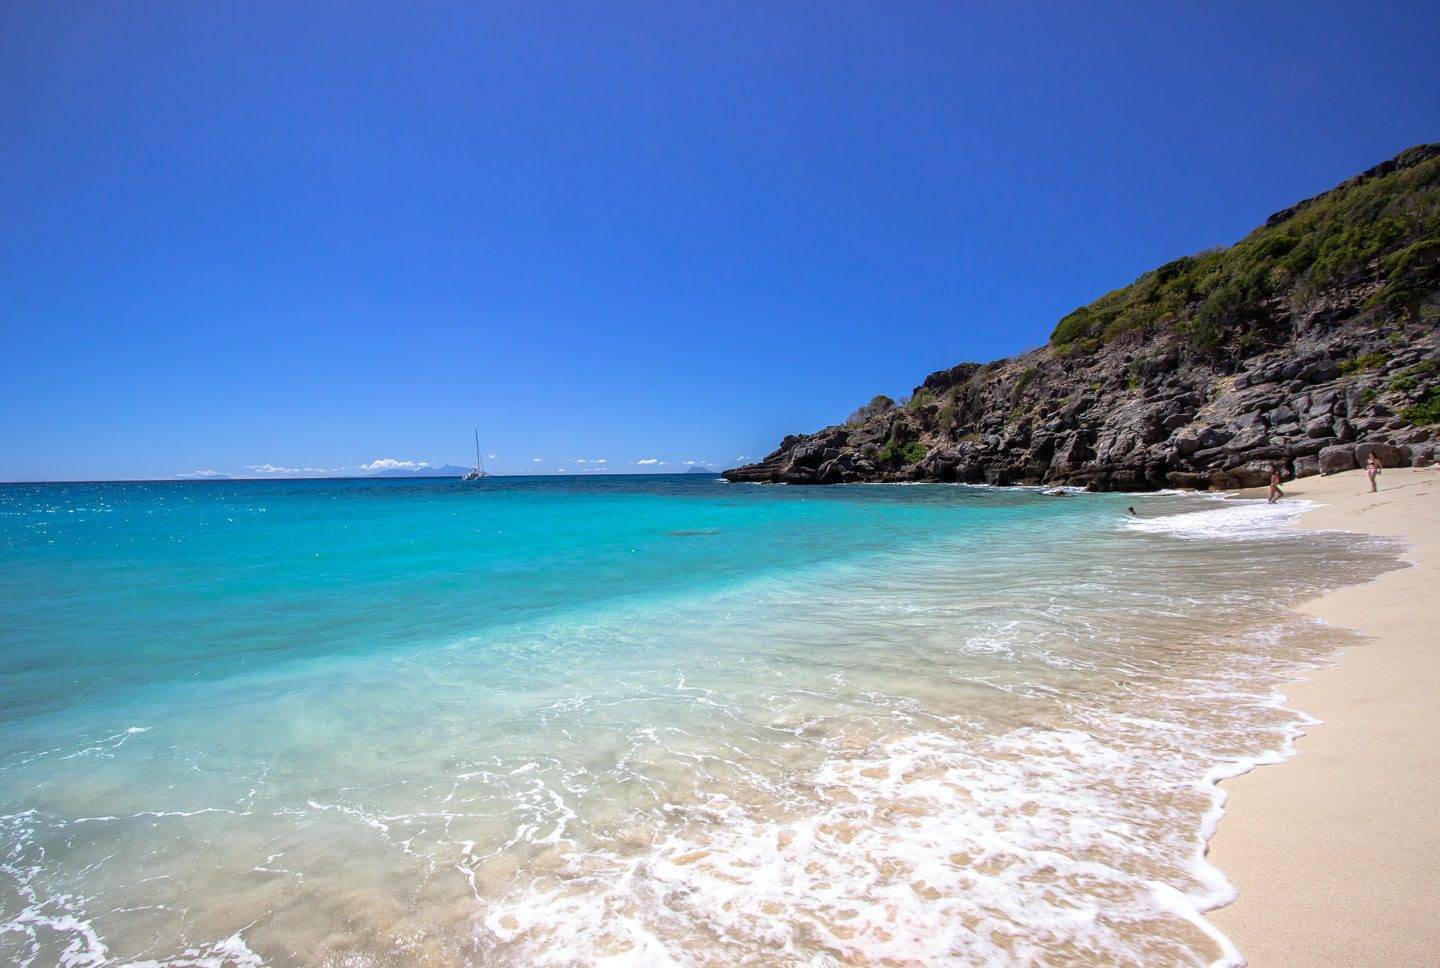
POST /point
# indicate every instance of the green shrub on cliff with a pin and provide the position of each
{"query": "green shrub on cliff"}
(1363, 362)
(1385, 224)
(1409, 274)
(1424, 405)
(1403, 383)
(896, 454)
(1426, 411)
(921, 398)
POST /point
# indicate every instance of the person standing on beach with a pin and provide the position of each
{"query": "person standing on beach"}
(1275, 492)
(1372, 468)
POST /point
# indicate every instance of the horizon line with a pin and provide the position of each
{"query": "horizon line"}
(222, 479)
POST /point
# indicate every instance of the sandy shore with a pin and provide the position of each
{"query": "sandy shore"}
(1336, 853)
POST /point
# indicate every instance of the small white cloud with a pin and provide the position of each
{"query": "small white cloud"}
(537, 460)
(392, 464)
(489, 456)
(578, 460)
(277, 470)
(648, 460)
(199, 475)
(599, 460)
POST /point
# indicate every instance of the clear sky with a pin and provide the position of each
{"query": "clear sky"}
(239, 234)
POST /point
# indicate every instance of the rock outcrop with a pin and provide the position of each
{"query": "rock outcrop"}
(1310, 344)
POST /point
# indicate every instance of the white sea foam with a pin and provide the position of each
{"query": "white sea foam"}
(231, 952)
(43, 917)
(1040, 846)
(109, 743)
(1237, 520)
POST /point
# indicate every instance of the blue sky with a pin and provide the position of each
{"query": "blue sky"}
(314, 235)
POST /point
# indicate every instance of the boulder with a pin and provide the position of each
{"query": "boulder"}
(1307, 466)
(1250, 421)
(1305, 446)
(1319, 371)
(1187, 479)
(810, 453)
(1388, 454)
(1335, 459)
(1042, 448)
(1255, 473)
(939, 466)
(1214, 436)
(1268, 455)
(1248, 440)
(1185, 443)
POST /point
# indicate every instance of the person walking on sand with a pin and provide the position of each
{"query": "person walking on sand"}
(1275, 492)
(1372, 468)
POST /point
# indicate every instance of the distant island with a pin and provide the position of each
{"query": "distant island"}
(697, 469)
(1309, 344)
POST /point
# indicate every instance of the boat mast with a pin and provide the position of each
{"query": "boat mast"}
(479, 465)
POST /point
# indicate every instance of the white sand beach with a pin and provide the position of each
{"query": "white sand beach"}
(1336, 853)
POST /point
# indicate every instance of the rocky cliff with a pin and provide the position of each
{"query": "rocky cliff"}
(1311, 343)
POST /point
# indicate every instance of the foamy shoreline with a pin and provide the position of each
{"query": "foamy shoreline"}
(1336, 856)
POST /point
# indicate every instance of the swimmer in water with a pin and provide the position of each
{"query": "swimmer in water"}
(1131, 509)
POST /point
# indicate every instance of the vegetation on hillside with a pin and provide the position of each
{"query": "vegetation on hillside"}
(1383, 226)
(897, 454)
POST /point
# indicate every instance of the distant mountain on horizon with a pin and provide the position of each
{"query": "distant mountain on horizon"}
(697, 469)
(447, 470)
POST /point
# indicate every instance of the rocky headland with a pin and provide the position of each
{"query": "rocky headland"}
(1311, 343)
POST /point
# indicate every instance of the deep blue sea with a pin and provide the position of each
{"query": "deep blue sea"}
(630, 720)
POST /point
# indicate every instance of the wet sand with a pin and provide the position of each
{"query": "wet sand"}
(1336, 853)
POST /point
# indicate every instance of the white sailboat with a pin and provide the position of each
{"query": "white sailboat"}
(478, 471)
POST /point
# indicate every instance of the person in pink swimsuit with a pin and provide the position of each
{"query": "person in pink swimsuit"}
(1372, 468)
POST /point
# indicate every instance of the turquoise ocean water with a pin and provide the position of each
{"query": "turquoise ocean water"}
(630, 720)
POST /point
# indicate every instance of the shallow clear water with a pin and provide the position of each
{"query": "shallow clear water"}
(635, 720)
